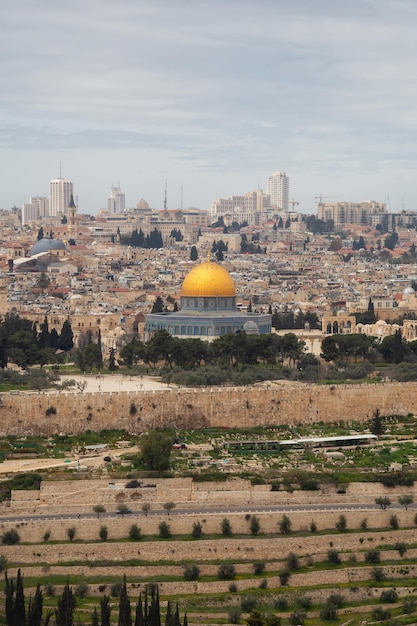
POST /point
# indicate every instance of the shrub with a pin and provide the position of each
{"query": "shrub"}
(191, 572)
(401, 547)
(71, 533)
(297, 618)
(258, 567)
(226, 571)
(234, 616)
(336, 599)
(393, 522)
(409, 606)
(248, 603)
(328, 612)
(115, 589)
(263, 584)
(305, 603)
(281, 603)
(285, 525)
(10, 537)
(133, 484)
(197, 530)
(81, 590)
(134, 533)
(389, 595)
(313, 527)
(255, 526)
(49, 589)
(164, 531)
(378, 574)
(103, 533)
(379, 614)
(293, 562)
(373, 556)
(226, 527)
(364, 524)
(341, 524)
(333, 557)
(47, 535)
(284, 576)
(232, 587)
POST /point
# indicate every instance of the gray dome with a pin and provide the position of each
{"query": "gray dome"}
(46, 244)
(251, 328)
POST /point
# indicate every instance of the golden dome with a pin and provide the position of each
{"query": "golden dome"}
(208, 280)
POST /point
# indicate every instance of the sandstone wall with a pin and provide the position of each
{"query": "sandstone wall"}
(268, 404)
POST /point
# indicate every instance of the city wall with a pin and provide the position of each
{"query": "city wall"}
(46, 413)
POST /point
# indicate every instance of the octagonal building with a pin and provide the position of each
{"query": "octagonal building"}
(208, 308)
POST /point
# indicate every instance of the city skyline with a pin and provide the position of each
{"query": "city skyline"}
(212, 97)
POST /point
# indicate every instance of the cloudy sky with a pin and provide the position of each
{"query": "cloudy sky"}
(211, 96)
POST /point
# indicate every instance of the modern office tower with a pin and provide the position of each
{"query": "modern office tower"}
(116, 202)
(60, 192)
(278, 190)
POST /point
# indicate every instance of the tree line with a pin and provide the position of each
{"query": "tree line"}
(23, 343)
(234, 350)
(146, 611)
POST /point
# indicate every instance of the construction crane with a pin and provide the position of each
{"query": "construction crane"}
(293, 203)
(320, 198)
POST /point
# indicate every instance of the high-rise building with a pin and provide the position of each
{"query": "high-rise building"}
(60, 192)
(116, 202)
(278, 190)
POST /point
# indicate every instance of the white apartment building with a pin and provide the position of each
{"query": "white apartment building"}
(60, 192)
(278, 190)
(37, 208)
(364, 213)
(116, 201)
(235, 206)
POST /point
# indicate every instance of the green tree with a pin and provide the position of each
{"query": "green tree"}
(66, 338)
(156, 448)
(99, 508)
(35, 608)
(64, 613)
(191, 572)
(71, 531)
(146, 507)
(112, 360)
(341, 524)
(377, 423)
(285, 525)
(103, 533)
(164, 531)
(193, 253)
(226, 527)
(10, 537)
(383, 502)
(105, 611)
(168, 506)
(255, 525)
(158, 305)
(406, 500)
(125, 614)
(197, 530)
(226, 571)
(134, 533)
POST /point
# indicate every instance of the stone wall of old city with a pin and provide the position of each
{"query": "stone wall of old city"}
(269, 404)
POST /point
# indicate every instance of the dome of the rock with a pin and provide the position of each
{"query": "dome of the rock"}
(208, 280)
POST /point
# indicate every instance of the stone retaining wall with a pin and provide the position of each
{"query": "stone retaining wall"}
(243, 407)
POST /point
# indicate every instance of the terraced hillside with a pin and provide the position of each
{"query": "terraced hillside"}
(220, 566)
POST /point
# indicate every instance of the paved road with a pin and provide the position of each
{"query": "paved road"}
(207, 511)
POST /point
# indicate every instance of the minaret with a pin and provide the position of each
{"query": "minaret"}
(72, 219)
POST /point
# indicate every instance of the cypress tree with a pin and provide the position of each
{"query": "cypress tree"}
(94, 618)
(66, 607)
(9, 590)
(169, 618)
(19, 603)
(125, 615)
(105, 611)
(139, 617)
(35, 608)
